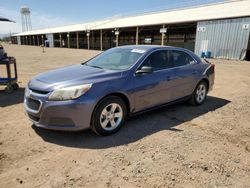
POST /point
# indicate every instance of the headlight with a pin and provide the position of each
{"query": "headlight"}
(68, 93)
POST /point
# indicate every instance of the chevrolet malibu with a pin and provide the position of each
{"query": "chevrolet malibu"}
(120, 82)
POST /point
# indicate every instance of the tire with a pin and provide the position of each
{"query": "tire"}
(109, 116)
(15, 86)
(9, 89)
(200, 94)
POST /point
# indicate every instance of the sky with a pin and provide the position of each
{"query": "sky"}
(51, 13)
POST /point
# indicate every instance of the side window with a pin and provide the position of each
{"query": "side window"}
(158, 60)
(180, 58)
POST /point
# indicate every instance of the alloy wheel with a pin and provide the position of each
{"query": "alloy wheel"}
(201, 93)
(111, 116)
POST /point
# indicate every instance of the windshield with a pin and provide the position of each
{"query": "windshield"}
(116, 59)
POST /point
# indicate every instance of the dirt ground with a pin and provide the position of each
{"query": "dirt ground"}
(178, 146)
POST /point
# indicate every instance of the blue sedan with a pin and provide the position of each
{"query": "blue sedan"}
(120, 82)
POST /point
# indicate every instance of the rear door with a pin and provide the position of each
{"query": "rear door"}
(184, 69)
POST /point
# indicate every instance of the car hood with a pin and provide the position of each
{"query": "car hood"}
(71, 75)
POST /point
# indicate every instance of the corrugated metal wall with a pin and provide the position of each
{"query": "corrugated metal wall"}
(223, 38)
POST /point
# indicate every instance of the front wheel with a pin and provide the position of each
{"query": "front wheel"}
(9, 89)
(109, 116)
(200, 93)
(15, 86)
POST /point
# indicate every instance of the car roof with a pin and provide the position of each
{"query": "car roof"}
(149, 47)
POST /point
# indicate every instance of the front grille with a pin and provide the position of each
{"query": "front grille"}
(33, 104)
(34, 118)
(39, 91)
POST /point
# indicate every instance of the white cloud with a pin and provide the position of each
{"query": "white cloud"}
(38, 21)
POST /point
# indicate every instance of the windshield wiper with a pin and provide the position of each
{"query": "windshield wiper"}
(95, 66)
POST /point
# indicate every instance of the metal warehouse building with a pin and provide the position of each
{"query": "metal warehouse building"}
(221, 30)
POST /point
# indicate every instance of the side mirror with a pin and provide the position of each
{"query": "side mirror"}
(145, 70)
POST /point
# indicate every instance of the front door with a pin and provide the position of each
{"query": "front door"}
(154, 88)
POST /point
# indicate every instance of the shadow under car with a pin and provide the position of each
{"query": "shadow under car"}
(135, 128)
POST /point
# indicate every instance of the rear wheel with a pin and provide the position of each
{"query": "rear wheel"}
(200, 93)
(109, 116)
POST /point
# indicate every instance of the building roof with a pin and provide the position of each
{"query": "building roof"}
(64, 29)
(231, 9)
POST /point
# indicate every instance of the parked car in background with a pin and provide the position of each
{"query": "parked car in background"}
(120, 82)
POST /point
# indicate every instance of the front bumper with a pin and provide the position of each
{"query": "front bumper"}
(71, 115)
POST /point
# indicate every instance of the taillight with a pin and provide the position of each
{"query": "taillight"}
(213, 67)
